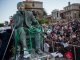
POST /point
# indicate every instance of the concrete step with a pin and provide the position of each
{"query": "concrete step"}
(34, 57)
(39, 57)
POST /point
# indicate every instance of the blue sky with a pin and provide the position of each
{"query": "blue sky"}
(8, 7)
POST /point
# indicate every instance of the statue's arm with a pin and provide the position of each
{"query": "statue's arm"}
(34, 20)
(17, 21)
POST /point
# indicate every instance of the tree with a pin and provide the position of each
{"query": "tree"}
(43, 20)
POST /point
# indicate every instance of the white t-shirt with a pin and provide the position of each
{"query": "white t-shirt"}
(46, 47)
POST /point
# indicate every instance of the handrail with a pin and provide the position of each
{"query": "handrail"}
(7, 44)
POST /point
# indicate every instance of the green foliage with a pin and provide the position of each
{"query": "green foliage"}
(43, 20)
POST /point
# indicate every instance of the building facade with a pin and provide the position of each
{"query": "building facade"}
(72, 11)
(62, 15)
(56, 14)
(35, 6)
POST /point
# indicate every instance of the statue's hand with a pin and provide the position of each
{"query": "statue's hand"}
(38, 30)
(31, 29)
(34, 29)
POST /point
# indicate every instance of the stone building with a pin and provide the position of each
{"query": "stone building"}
(72, 11)
(62, 15)
(35, 6)
(56, 14)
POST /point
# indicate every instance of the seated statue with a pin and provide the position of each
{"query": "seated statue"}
(24, 20)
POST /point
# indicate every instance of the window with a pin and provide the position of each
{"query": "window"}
(79, 14)
(57, 13)
(33, 5)
(79, 7)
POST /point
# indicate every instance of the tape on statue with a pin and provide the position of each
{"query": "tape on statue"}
(38, 30)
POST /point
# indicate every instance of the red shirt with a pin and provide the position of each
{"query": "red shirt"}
(69, 55)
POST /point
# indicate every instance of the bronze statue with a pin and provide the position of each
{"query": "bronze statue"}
(24, 20)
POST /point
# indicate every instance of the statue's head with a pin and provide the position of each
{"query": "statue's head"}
(20, 6)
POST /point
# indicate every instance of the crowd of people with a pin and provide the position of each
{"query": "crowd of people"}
(60, 39)
(63, 37)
